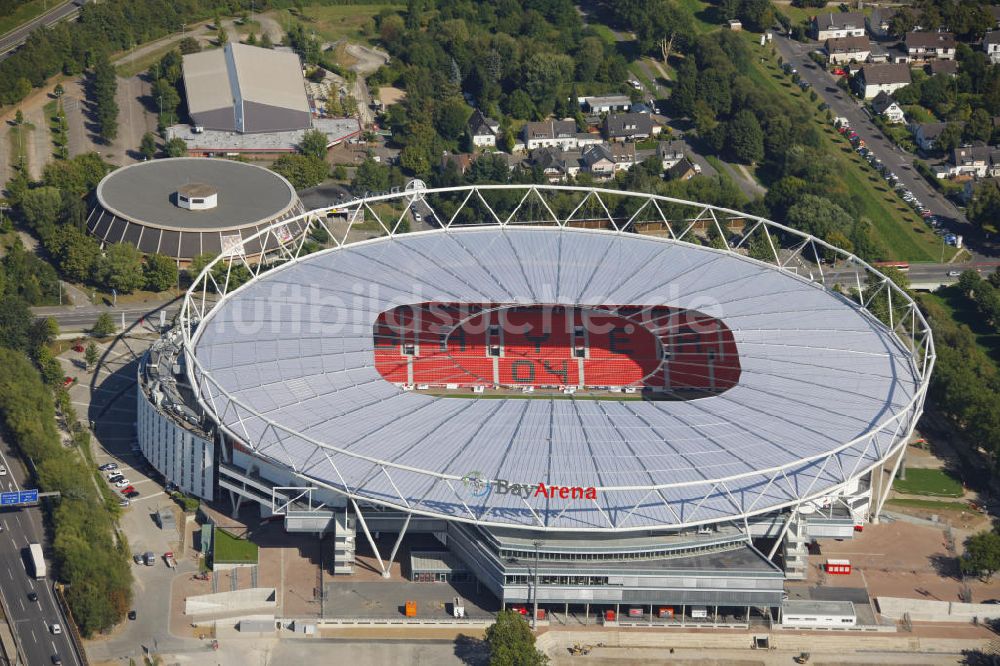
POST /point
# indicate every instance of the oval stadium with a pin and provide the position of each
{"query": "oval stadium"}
(589, 397)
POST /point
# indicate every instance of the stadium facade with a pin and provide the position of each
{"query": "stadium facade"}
(592, 398)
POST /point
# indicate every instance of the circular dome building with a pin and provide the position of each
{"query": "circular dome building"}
(185, 206)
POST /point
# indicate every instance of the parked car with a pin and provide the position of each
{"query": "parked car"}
(32, 596)
(954, 273)
(126, 490)
(78, 348)
(132, 494)
(124, 502)
(132, 614)
(3, 471)
(108, 466)
(68, 381)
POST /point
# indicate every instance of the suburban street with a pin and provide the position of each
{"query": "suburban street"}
(845, 105)
(13, 39)
(30, 620)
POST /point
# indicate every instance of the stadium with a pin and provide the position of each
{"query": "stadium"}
(589, 398)
(185, 206)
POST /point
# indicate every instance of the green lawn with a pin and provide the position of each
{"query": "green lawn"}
(19, 137)
(933, 482)
(604, 32)
(335, 22)
(637, 72)
(904, 234)
(702, 12)
(26, 12)
(128, 66)
(228, 549)
(964, 311)
(937, 505)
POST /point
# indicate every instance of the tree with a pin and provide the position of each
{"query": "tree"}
(41, 207)
(818, 216)
(982, 555)
(19, 118)
(252, 39)
(90, 355)
(313, 144)
(301, 170)
(520, 105)
(949, 138)
(370, 177)
(511, 642)
(189, 45)
(333, 106)
(979, 127)
(746, 138)
(265, 41)
(451, 117)
(160, 272)
(984, 209)
(175, 147)
(148, 145)
(103, 326)
(221, 37)
(121, 268)
(58, 91)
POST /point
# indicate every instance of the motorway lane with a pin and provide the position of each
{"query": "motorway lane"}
(85, 316)
(845, 105)
(13, 39)
(31, 620)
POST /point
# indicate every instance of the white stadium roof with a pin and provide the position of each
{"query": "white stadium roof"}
(823, 394)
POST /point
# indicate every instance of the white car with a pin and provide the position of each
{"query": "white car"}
(954, 273)
(3, 471)
(122, 483)
(56, 629)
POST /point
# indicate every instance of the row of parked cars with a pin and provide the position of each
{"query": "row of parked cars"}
(117, 478)
(893, 180)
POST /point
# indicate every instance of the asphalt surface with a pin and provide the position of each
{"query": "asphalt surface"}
(13, 39)
(30, 620)
(843, 104)
(83, 317)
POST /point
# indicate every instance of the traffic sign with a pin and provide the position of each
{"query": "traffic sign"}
(18, 497)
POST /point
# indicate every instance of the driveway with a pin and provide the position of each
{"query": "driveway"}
(846, 105)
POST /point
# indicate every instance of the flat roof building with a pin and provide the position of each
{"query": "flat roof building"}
(246, 89)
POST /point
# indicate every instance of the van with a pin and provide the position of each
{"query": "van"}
(149, 558)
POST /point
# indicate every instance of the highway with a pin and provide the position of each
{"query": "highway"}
(10, 41)
(83, 317)
(30, 620)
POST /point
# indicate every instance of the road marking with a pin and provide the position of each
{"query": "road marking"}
(11, 575)
(21, 601)
(33, 636)
(54, 647)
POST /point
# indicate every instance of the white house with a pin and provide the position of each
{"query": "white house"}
(842, 50)
(483, 130)
(885, 106)
(832, 25)
(991, 44)
(921, 46)
(979, 161)
(887, 77)
(556, 133)
(670, 153)
(605, 103)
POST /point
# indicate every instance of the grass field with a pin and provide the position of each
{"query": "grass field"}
(335, 22)
(933, 482)
(904, 234)
(19, 136)
(604, 32)
(935, 505)
(128, 66)
(963, 311)
(229, 549)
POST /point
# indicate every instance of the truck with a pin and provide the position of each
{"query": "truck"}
(37, 560)
(168, 557)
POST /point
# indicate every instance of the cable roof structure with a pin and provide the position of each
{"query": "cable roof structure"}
(286, 364)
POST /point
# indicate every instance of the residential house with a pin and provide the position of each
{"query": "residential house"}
(897, 54)
(629, 127)
(842, 50)
(556, 164)
(555, 133)
(598, 160)
(683, 170)
(877, 52)
(981, 161)
(670, 153)
(831, 25)
(994, 11)
(885, 106)
(991, 45)
(927, 133)
(947, 67)
(484, 131)
(888, 77)
(922, 46)
(624, 155)
(462, 161)
(605, 103)
(735, 25)
(878, 22)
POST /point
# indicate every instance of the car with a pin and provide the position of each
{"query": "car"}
(824, 106)
(137, 558)
(132, 614)
(954, 273)
(115, 479)
(106, 467)
(839, 71)
(56, 629)
(68, 381)
(124, 502)
(56, 661)
(121, 483)
(3, 471)
(132, 494)
(417, 217)
(126, 490)
(78, 348)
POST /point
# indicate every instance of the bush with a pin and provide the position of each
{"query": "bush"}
(104, 326)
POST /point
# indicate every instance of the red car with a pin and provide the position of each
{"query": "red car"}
(78, 348)
(68, 381)
(839, 72)
(128, 489)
